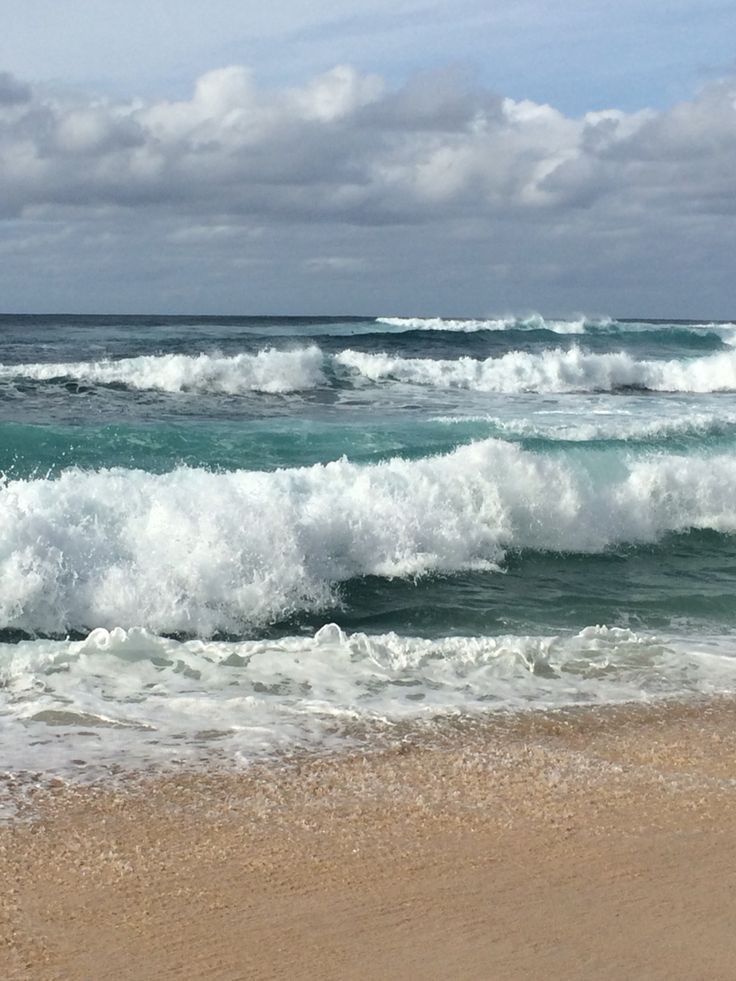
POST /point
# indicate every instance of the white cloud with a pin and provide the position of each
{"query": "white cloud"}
(334, 150)
(337, 94)
(346, 151)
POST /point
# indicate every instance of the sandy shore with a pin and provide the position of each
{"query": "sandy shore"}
(573, 845)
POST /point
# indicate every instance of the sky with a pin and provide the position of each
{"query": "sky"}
(368, 156)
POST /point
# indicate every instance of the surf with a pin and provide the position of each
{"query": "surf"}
(198, 552)
(554, 370)
(270, 371)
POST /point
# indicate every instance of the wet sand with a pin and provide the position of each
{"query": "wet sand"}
(581, 844)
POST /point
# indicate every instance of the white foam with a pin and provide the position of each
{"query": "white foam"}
(578, 325)
(554, 370)
(270, 370)
(275, 371)
(533, 322)
(198, 552)
(132, 697)
(726, 331)
(590, 425)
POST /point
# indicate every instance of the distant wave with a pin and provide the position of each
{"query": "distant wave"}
(200, 552)
(580, 325)
(610, 428)
(555, 370)
(273, 371)
(534, 322)
(270, 371)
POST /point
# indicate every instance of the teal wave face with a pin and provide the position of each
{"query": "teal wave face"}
(683, 584)
(33, 451)
(44, 450)
(198, 552)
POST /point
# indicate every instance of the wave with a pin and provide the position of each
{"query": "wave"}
(274, 371)
(270, 371)
(28, 451)
(534, 322)
(605, 427)
(199, 553)
(726, 331)
(554, 370)
(270, 695)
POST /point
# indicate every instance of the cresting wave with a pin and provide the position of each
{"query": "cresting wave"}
(616, 427)
(197, 552)
(271, 371)
(574, 370)
(534, 322)
(275, 371)
(579, 325)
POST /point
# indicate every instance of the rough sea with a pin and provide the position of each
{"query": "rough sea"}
(228, 537)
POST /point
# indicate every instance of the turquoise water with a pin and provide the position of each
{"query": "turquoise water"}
(508, 512)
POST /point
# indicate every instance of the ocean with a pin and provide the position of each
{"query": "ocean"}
(223, 538)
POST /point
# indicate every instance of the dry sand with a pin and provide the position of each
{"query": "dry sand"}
(585, 844)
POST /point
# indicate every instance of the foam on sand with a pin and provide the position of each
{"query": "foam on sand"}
(131, 696)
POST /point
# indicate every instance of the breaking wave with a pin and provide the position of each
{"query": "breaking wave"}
(273, 371)
(694, 426)
(534, 322)
(197, 552)
(553, 370)
(578, 325)
(270, 371)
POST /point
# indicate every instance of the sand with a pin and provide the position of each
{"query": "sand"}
(580, 844)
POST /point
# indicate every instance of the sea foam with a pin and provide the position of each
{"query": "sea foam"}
(578, 325)
(131, 697)
(273, 371)
(198, 552)
(554, 370)
(270, 370)
(533, 322)
(607, 426)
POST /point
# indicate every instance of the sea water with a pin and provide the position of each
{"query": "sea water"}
(228, 537)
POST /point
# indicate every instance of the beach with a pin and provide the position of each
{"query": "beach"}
(580, 843)
(367, 647)
(367, 492)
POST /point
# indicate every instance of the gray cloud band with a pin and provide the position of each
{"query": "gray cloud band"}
(344, 148)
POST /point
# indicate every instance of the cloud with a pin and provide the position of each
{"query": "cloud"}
(344, 147)
(12, 91)
(346, 153)
(335, 265)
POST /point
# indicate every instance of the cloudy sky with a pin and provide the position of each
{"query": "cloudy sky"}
(369, 156)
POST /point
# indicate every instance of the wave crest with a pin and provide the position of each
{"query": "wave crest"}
(553, 370)
(273, 371)
(726, 331)
(199, 552)
(533, 322)
(270, 371)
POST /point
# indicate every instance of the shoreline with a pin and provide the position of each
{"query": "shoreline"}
(590, 842)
